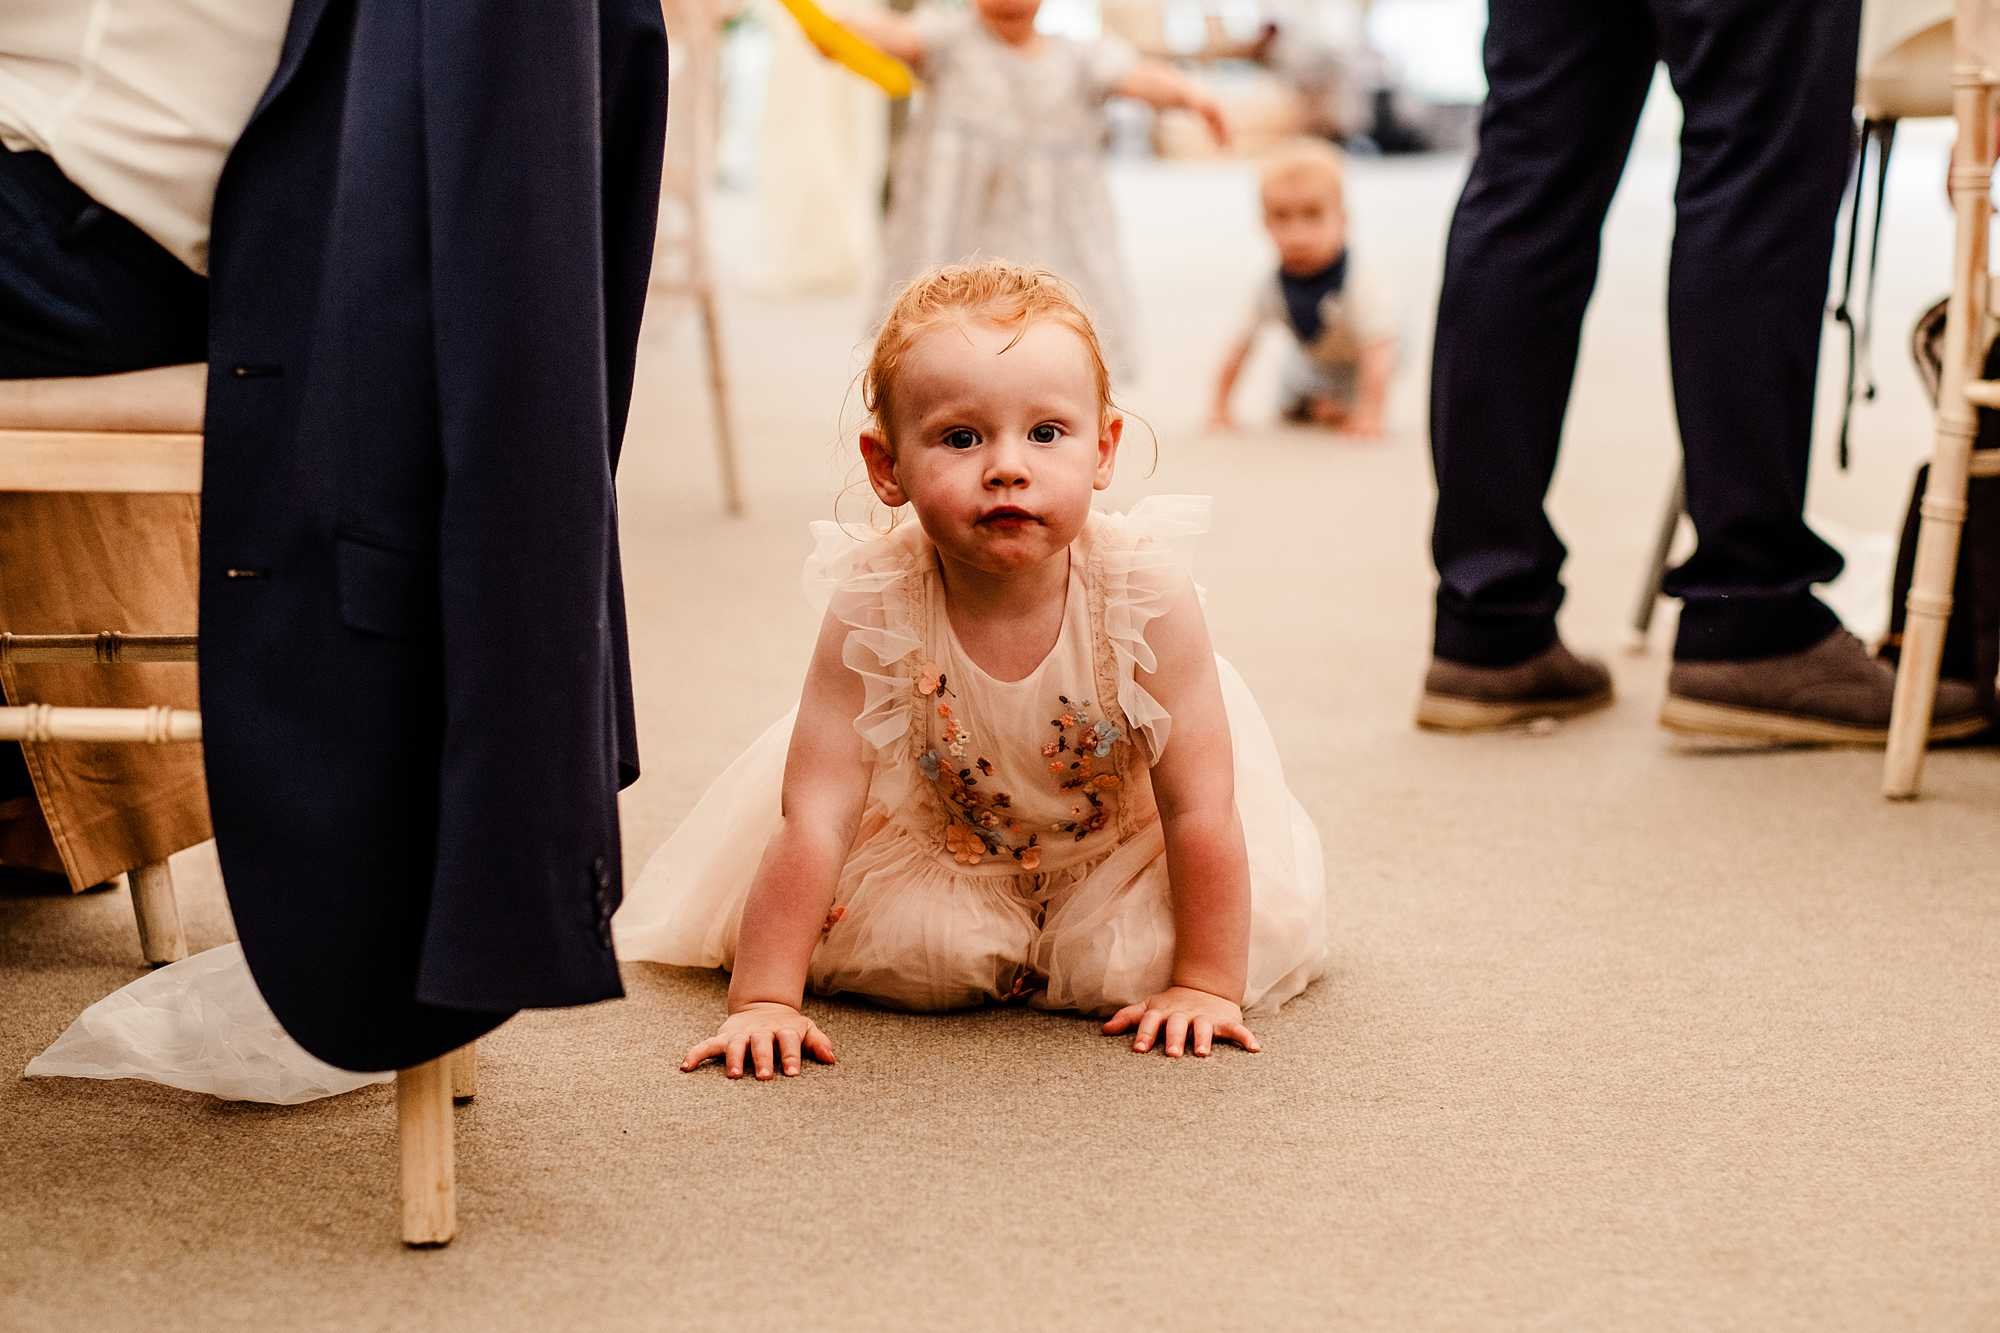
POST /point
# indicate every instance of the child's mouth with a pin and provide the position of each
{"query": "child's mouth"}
(1005, 517)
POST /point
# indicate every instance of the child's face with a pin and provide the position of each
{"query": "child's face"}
(997, 446)
(1009, 13)
(1307, 222)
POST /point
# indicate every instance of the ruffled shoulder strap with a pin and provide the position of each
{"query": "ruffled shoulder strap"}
(1139, 561)
(872, 583)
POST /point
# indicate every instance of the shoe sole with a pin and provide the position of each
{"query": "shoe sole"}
(1450, 712)
(1695, 717)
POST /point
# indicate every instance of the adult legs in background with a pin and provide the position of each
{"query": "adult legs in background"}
(1767, 91)
(1567, 79)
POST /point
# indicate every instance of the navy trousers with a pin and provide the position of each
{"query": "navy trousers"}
(1767, 89)
(83, 292)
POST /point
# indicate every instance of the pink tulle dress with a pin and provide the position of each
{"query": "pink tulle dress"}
(1010, 846)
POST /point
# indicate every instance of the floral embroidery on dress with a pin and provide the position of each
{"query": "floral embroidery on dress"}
(979, 824)
(1095, 740)
(956, 737)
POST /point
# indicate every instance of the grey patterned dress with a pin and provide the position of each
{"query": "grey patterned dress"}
(1005, 160)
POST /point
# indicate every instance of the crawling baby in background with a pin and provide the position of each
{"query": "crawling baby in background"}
(1336, 368)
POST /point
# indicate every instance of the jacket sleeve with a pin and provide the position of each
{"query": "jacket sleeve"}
(634, 86)
(514, 111)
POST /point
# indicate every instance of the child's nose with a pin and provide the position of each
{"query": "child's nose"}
(1007, 465)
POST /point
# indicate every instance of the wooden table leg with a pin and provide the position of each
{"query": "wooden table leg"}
(430, 1185)
(160, 937)
(465, 1072)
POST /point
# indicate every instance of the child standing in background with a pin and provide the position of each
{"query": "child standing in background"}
(1005, 154)
(1336, 370)
(1018, 770)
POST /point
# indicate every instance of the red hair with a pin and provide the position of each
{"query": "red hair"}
(996, 292)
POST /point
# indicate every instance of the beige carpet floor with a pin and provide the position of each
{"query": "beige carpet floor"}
(1618, 1034)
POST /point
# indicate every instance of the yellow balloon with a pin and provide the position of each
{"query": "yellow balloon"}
(844, 46)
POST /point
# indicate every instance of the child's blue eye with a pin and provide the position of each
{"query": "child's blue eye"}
(1046, 433)
(960, 439)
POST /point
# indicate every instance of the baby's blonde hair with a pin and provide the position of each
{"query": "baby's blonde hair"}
(1314, 161)
(996, 292)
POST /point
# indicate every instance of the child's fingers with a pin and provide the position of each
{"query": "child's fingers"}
(1239, 1034)
(702, 1052)
(819, 1044)
(1177, 1030)
(788, 1050)
(760, 1052)
(733, 1066)
(1123, 1019)
(1204, 1036)
(1149, 1028)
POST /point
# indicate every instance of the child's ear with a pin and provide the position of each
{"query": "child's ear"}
(1108, 437)
(882, 470)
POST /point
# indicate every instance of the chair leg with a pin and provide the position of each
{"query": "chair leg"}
(160, 937)
(1928, 608)
(1656, 572)
(718, 387)
(465, 1073)
(1943, 509)
(423, 1123)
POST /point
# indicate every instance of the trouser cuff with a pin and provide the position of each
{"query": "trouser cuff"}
(1491, 641)
(1733, 629)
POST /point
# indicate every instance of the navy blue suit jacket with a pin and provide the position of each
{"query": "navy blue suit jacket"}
(429, 260)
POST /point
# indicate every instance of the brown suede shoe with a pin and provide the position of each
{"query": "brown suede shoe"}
(1554, 683)
(1832, 693)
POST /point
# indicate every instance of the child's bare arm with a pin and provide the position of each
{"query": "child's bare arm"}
(1194, 782)
(826, 785)
(1371, 394)
(1195, 785)
(1225, 382)
(894, 33)
(1165, 87)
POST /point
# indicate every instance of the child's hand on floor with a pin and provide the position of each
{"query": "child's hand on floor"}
(754, 1029)
(1183, 1011)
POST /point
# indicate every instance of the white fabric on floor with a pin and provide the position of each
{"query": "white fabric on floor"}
(199, 1024)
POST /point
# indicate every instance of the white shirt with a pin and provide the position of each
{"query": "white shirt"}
(139, 101)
